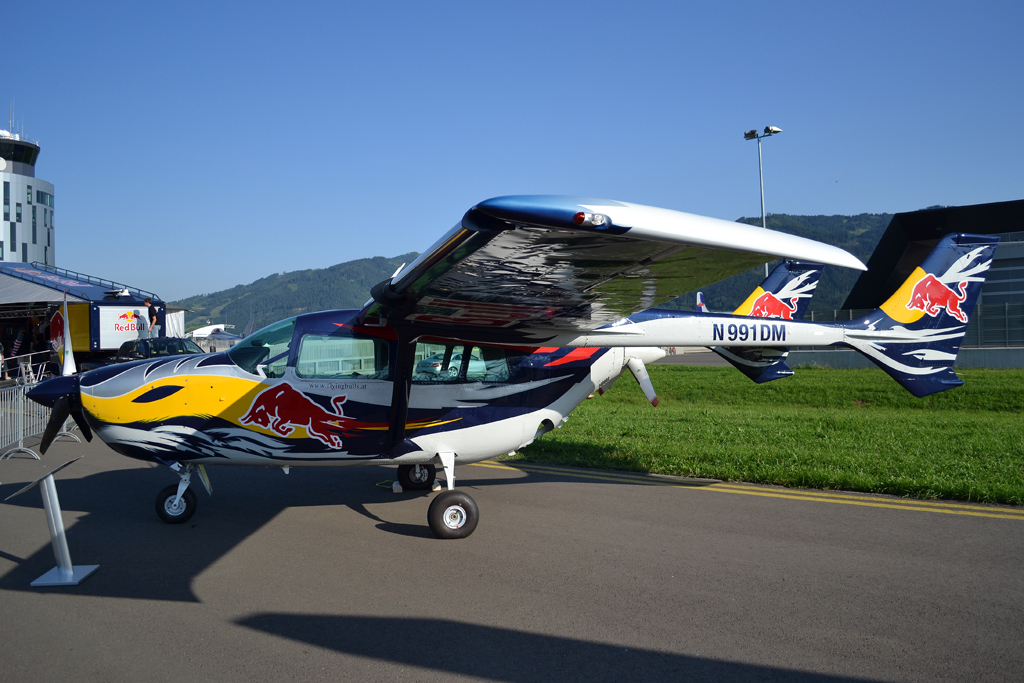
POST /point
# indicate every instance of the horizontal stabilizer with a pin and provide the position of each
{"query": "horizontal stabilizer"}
(761, 364)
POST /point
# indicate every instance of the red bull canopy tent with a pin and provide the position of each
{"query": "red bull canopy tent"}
(102, 313)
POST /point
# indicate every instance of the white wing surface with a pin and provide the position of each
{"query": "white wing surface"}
(569, 263)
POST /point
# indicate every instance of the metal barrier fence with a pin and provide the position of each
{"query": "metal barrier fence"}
(20, 418)
(26, 368)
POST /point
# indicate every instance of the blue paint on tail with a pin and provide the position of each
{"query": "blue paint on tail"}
(928, 315)
(786, 291)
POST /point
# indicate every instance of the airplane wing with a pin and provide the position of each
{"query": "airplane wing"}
(572, 264)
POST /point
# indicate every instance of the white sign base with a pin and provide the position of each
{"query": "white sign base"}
(57, 577)
(64, 574)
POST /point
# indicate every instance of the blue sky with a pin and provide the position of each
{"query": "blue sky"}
(195, 146)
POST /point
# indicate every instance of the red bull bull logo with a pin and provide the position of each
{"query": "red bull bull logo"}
(931, 296)
(57, 332)
(132, 322)
(282, 408)
(770, 306)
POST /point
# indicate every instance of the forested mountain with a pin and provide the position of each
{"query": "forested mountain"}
(277, 296)
(347, 285)
(856, 234)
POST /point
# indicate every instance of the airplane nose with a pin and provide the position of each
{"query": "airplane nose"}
(47, 393)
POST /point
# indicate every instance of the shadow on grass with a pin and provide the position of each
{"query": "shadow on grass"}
(498, 654)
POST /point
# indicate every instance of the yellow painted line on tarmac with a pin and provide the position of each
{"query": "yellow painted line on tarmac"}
(597, 475)
(493, 465)
(860, 500)
(860, 497)
(893, 505)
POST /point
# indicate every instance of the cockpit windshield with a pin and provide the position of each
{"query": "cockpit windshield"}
(266, 350)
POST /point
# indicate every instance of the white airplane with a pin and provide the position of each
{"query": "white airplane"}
(542, 300)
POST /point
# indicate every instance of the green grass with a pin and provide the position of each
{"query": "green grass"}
(831, 429)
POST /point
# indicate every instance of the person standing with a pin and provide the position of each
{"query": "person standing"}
(154, 328)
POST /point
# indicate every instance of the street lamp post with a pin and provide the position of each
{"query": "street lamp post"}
(753, 135)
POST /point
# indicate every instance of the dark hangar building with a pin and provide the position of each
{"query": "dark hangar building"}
(998, 319)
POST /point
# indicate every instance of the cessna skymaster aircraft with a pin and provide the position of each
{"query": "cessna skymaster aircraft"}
(492, 336)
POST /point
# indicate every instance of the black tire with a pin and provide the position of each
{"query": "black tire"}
(169, 514)
(453, 514)
(407, 473)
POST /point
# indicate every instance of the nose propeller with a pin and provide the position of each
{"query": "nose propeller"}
(60, 394)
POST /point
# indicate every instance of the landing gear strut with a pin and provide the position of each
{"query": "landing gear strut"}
(452, 514)
(177, 503)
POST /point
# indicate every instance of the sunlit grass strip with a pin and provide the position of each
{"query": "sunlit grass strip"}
(830, 429)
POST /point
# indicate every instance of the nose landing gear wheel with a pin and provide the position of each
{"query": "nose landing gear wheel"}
(453, 514)
(176, 514)
(416, 477)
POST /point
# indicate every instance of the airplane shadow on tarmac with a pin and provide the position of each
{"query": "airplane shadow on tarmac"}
(142, 557)
(500, 654)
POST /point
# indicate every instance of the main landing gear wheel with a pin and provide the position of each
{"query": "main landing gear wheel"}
(453, 514)
(416, 477)
(176, 513)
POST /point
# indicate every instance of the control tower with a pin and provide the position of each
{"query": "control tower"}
(26, 234)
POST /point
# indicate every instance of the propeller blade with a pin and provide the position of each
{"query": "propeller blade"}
(60, 412)
(79, 417)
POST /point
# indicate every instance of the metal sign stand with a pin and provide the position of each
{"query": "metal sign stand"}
(64, 574)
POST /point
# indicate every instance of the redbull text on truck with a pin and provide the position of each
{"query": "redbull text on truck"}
(128, 322)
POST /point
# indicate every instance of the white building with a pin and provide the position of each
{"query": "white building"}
(26, 234)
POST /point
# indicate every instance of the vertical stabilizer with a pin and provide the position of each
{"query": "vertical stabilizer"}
(915, 335)
(785, 293)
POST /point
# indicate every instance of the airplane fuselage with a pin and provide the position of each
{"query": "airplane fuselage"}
(326, 399)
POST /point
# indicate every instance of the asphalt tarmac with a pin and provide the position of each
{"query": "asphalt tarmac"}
(572, 575)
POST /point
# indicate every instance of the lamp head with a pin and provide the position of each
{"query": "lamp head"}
(750, 135)
(771, 130)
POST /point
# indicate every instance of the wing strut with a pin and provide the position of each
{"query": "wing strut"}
(395, 443)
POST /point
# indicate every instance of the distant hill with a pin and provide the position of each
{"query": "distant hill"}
(856, 234)
(281, 295)
(347, 285)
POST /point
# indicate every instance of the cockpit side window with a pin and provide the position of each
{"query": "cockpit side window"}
(342, 356)
(267, 349)
(492, 365)
(444, 363)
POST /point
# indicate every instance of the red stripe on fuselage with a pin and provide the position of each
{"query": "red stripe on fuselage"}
(574, 355)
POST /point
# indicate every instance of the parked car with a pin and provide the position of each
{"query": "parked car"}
(431, 365)
(141, 349)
